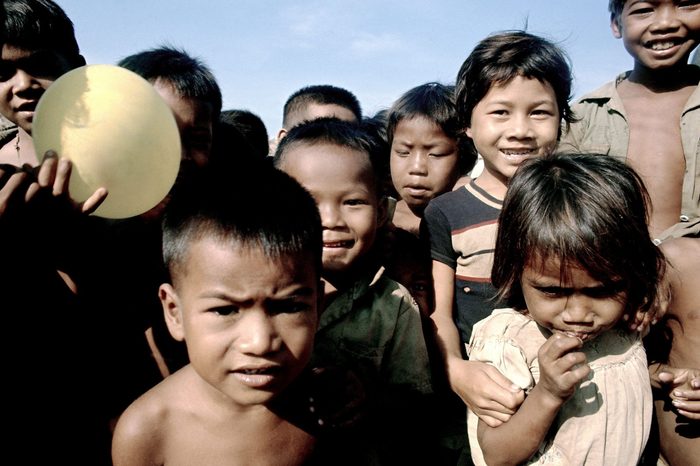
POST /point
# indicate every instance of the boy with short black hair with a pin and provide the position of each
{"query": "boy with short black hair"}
(243, 295)
(661, 145)
(369, 323)
(319, 101)
(190, 90)
(37, 45)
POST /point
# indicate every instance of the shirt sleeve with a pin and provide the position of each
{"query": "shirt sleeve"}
(436, 227)
(490, 343)
(408, 352)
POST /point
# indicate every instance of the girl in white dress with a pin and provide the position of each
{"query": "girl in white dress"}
(573, 261)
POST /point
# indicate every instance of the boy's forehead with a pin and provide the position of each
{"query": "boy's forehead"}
(13, 52)
(197, 251)
(304, 153)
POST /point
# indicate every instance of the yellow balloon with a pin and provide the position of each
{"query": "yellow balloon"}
(118, 133)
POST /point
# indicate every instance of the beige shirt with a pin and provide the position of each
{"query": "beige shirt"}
(602, 128)
(607, 420)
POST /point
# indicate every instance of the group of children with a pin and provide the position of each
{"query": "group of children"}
(363, 295)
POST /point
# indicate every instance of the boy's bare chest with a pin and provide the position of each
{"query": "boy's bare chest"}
(242, 445)
(654, 120)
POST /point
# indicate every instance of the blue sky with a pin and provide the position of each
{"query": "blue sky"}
(262, 50)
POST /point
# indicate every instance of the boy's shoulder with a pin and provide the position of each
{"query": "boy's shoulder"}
(603, 94)
(379, 288)
(372, 300)
(467, 205)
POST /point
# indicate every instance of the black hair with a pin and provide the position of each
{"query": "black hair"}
(499, 58)
(188, 76)
(587, 210)
(39, 25)
(250, 126)
(257, 207)
(615, 8)
(435, 102)
(324, 94)
(337, 132)
(375, 128)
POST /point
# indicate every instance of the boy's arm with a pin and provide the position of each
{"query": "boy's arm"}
(482, 387)
(562, 369)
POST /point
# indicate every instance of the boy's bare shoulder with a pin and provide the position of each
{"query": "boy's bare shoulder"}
(140, 433)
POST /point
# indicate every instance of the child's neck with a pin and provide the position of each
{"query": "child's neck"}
(665, 80)
(496, 186)
(336, 283)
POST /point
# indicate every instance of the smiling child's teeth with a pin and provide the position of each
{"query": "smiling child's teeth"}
(661, 45)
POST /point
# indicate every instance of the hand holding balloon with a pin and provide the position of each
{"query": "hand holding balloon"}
(117, 133)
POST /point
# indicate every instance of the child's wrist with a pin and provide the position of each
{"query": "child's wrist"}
(546, 398)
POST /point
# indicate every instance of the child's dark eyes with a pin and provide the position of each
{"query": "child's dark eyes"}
(288, 307)
(225, 310)
(542, 113)
(554, 291)
(355, 202)
(401, 152)
(6, 71)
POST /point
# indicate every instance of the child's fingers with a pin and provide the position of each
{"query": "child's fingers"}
(689, 409)
(493, 418)
(60, 184)
(47, 170)
(557, 346)
(94, 201)
(12, 190)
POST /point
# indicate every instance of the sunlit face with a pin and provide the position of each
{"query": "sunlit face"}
(512, 123)
(660, 33)
(344, 187)
(577, 306)
(24, 76)
(195, 121)
(248, 320)
(424, 162)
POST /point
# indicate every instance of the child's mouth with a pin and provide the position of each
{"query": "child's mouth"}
(660, 46)
(337, 244)
(515, 154)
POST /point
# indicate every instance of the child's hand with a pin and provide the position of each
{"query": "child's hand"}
(682, 386)
(643, 320)
(54, 176)
(562, 368)
(487, 392)
(14, 182)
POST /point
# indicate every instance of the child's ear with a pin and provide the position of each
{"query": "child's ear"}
(615, 27)
(171, 311)
(468, 132)
(281, 134)
(383, 211)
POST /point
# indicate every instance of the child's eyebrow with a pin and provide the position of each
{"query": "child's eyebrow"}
(293, 293)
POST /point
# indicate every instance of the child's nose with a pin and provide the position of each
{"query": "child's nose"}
(22, 81)
(520, 127)
(419, 164)
(577, 310)
(331, 217)
(666, 18)
(258, 335)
